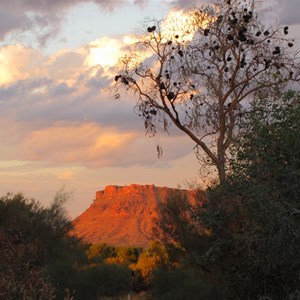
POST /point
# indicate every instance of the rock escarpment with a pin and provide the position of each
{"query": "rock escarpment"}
(121, 215)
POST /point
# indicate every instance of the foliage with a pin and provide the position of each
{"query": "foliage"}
(177, 284)
(143, 262)
(269, 150)
(255, 215)
(199, 73)
(42, 237)
(97, 253)
(125, 255)
(21, 276)
(101, 280)
(251, 241)
(182, 233)
(152, 258)
(43, 261)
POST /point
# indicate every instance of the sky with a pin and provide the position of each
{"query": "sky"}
(59, 125)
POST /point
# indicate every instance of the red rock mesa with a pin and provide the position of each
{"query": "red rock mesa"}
(121, 215)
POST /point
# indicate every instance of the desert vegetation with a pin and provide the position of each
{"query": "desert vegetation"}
(244, 237)
(227, 88)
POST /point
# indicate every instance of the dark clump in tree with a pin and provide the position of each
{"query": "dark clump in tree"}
(201, 73)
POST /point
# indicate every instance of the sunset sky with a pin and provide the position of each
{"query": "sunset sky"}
(59, 124)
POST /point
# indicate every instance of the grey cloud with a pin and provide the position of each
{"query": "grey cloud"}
(290, 11)
(61, 103)
(141, 3)
(185, 4)
(61, 89)
(10, 21)
(46, 101)
(70, 58)
(15, 93)
(98, 81)
(47, 6)
(42, 17)
(286, 10)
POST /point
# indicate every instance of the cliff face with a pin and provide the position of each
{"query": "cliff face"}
(121, 215)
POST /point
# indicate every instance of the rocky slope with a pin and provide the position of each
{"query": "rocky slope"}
(121, 215)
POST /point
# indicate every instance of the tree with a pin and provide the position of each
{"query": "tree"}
(269, 149)
(152, 258)
(43, 247)
(181, 230)
(97, 253)
(252, 218)
(200, 73)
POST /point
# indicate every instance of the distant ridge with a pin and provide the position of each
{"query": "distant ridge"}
(122, 215)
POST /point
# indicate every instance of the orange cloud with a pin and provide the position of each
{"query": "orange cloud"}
(18, 62)
(66, 175)
(83, 143)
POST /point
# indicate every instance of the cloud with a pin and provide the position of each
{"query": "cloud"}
(57, 111)
(18, 62)
(61, 87)
(141, 3)
(59, 126)
(42, 18)
(97, 59)
(66, 175)
(289, 11)
(286, 10)
(87, 144)
(185, 4)
(10, 21)
(104, 52)
(67, 65)
(83, 143)
(55, 5)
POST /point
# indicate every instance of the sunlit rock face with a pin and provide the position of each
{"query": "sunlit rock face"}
(122, 215)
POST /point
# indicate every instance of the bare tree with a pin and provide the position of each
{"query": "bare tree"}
(201, 73)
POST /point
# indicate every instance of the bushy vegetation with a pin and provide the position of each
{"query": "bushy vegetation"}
(41, 260)
(241, 238)
(39, 238)
(246, 234)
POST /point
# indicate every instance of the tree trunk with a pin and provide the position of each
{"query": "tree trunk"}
(221, 171)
